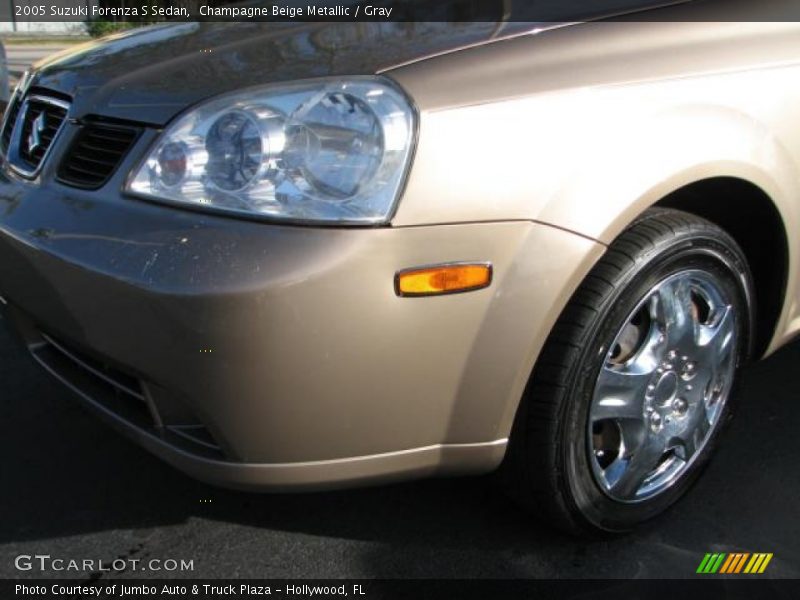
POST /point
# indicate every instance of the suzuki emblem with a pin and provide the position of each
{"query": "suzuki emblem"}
(35, 137)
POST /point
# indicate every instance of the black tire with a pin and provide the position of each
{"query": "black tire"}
(548, 466)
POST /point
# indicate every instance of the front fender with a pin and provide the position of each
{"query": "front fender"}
(590, 159)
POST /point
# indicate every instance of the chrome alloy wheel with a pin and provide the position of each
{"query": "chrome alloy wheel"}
(662, 387)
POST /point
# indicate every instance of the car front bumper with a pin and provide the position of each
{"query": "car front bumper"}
(257, 355)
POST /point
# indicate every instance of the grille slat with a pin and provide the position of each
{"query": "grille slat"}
(13, 112)
(124, 395)
(106, 148)
(120, 381)
(110, 135)
(87, 145)
(97, 160)
(106, 145)
(95, 154)
(89, 173)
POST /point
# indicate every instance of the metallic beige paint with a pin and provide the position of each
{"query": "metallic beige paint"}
(534, 153)
(583, 127)
(324, 365)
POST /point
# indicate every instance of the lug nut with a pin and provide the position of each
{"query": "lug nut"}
(680, 406)
(689, 370)
(655, 422)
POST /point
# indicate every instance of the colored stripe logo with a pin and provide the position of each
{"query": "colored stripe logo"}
(734, 563)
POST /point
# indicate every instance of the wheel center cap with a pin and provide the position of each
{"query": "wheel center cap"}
(666, 388)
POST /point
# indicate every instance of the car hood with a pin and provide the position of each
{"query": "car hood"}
(151, 74)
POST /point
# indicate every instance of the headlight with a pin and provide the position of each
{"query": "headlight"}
(320, 151)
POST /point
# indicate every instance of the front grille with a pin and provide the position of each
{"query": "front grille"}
(32, 124)
(96, 153)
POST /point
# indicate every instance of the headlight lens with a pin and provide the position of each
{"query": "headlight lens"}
(322, 151)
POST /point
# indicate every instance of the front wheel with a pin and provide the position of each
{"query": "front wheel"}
(629, 394)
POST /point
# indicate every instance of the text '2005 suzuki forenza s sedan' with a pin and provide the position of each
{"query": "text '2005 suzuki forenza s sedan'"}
(315, 255)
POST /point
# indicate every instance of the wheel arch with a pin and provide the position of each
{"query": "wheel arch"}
(750, 217)
(739, 206)
(714, 162)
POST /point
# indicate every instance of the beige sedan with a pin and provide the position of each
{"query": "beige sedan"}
(323, 255)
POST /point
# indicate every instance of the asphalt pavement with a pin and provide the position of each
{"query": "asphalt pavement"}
(72, 488)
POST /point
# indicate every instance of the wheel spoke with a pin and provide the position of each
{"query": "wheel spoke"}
(640, 465)
(695, 434)
(671, 307)
(703, 424)
(716, 341)
(619, 394)
(614, 472)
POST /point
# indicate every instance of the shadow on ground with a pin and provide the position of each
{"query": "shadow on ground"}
(71, 487)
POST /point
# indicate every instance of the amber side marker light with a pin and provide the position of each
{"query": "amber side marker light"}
(437, 280)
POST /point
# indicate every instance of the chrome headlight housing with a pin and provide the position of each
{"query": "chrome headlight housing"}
(328, 150)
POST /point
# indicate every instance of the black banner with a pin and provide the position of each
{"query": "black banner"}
(751, 588)
(154, 11)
